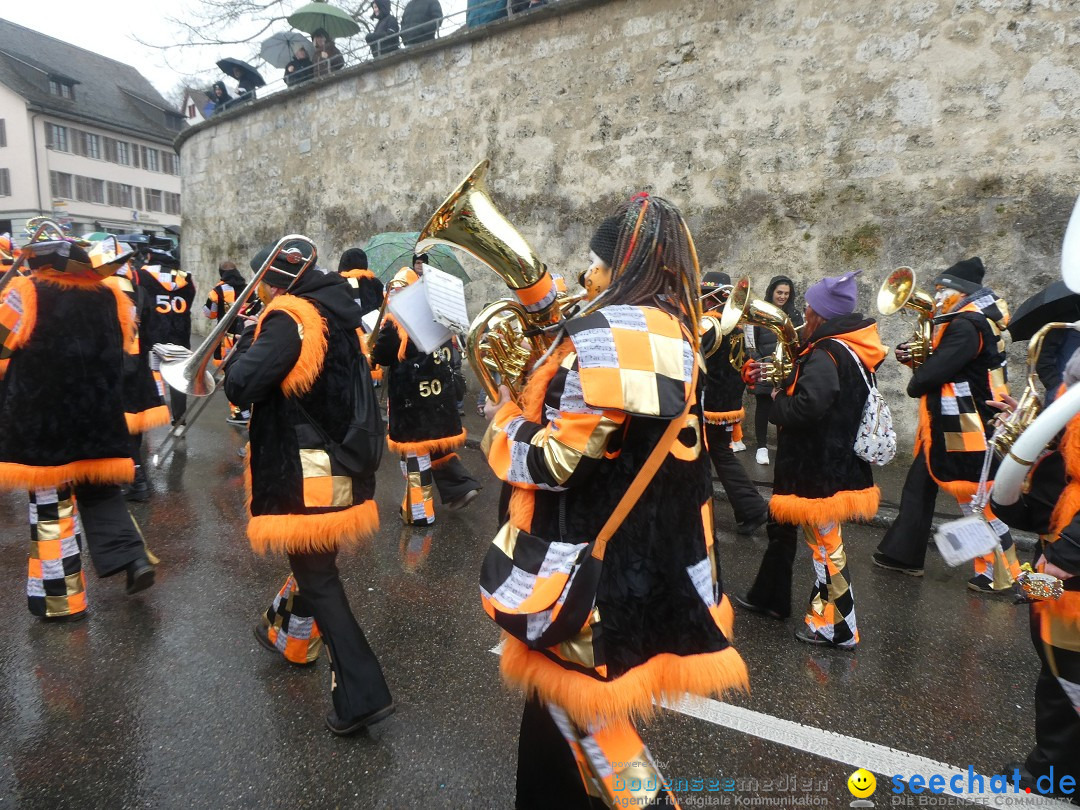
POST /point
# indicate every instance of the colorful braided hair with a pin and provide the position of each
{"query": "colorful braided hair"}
(655, 262)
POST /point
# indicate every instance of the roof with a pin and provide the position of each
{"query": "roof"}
(108, 93)
(198, 97)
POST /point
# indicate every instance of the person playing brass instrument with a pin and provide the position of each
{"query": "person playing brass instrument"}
(607, 438)
(965, 370)
(820, 481)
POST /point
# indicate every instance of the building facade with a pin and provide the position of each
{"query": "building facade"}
(84, 139)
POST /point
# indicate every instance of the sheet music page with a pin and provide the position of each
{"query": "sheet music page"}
(410, 308)
(368, 321)
(446, 297)
(965, 539)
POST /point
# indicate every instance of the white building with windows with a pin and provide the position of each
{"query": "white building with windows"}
(84, 139)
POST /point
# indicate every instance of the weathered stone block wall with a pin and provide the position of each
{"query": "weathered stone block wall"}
(800, 138)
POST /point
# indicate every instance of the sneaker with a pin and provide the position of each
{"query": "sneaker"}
(889, 564)
(745, 603)
(738, 447)
(237, 421)
(460, 503)
(66, 618)
(343, 728)
(762, 456)
(981, 583)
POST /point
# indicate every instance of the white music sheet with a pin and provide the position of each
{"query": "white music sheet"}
(411, 309)
(965, 539)
(446, 297)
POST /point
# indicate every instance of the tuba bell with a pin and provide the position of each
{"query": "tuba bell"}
(742, 308)
(507, 337)
(899, 292)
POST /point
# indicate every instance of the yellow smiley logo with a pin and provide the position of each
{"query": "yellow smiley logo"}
(862, 783)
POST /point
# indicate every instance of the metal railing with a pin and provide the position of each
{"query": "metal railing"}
(475, 16)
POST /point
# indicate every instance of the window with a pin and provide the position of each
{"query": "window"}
(110, 148)
(153, 200)
(123, 153)
(5, 183)
(150, 158)
(89, 189)
(168, 163)
(172, 203)
(3, 133)
(135, 155)
(61, 88)
(138, 199)
(60, 185)
(190, 110)
(118, 194)
(56, 137)
(89, 144)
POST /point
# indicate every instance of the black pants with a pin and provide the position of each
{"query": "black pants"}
(359, 686)
(907, 538)
(761, 419)
(746, 503)
(1057, 722)
(110, 533)
(452, 477)
(547, 775)
(772, 586)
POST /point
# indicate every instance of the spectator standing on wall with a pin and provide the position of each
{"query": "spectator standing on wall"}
(420, 21)
(300, 68)
(384, 39)
(219, 98)
(327, 56)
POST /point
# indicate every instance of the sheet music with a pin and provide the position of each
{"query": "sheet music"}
(446, 297)
(411, 309)
(965, 539)
(368, 321)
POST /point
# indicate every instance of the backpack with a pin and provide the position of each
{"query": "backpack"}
(875, 441)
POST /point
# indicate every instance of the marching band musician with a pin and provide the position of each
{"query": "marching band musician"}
(820, 481)
(578, 443)
(172, 293)
(296, 369)
(367, 291)
(1050, 507)
(218, 302)
(965, 370)
(64, 334)
(424, 425)
(723, 410)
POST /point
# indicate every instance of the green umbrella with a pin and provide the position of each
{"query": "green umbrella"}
(320, 14)
(389, 252)
(96, 236)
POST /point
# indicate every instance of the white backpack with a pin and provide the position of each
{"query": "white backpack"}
(875, 441)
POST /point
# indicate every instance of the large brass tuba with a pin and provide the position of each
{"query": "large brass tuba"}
(898, 292)
(506, 338)
(742, 308)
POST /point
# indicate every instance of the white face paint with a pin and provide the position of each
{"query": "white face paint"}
(945, 298)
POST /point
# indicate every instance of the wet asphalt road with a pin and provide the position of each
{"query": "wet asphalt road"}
(165, 699)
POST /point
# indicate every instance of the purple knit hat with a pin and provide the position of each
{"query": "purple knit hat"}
(834, 296)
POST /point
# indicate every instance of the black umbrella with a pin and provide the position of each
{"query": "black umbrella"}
(1055, 303)
(248, 75)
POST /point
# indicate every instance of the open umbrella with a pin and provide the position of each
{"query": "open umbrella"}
(281, 48)
(389, 252)
(229, 65)
(1054, 303)
(333, 20)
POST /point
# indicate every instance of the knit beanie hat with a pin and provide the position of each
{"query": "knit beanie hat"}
(290, 264)
(352, 259)
(966, 275)
(834, 296)
(713, 279)
(605, 239)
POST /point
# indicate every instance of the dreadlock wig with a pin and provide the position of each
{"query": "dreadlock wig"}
(655, 263)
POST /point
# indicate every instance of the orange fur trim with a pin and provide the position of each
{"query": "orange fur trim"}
(724, 417)
(125, 311)
(68, 280)
(28, 320)
(87, 471)
(590, 701)
(532, 398)
(443, 461)
(428, 446)
(403, 336)
(726, 620)
(3, 367)
(312, 347)
(147, 420)
(357, 274)
(307, 534)
(844, 505)
(1069, 501)
(922, 432)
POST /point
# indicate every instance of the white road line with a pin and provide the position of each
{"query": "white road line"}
(848, 750)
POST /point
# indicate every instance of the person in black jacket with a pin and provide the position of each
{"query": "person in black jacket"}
(172, 293)
(298, 366)
(220, 300)
(328, 58)
(723, 410)
(219, 99)
(760, 343)
(384, 39)
(420, 21)
(300, 68)
(965, 370)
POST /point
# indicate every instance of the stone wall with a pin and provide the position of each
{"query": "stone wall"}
(800, 138)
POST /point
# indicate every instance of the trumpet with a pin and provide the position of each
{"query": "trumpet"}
(507, 337)
(899, 292)
(1027, 408)
(40, 225)
(742, 308)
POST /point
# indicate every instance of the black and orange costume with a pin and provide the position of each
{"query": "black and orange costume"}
(1051, 508)
(965, 369)
(220, 300)
(591, 413)
(366, 288)
(295, 369)
(172, 294)
(424, 424)
(723, 404)
(64, 334)
(819, 481)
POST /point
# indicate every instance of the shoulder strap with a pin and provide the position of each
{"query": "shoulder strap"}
(868, 379)
(646, 473)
